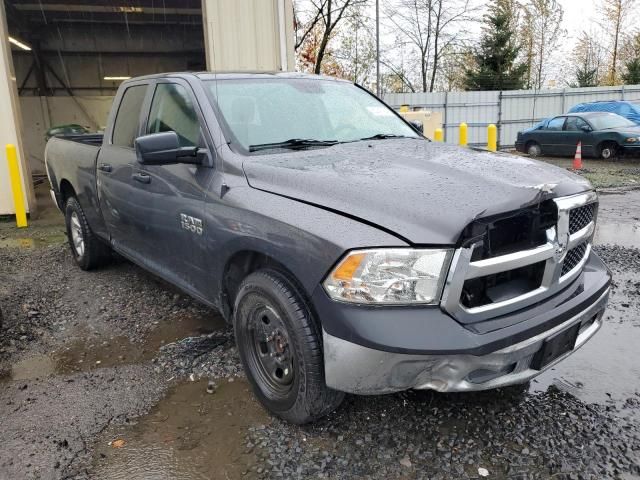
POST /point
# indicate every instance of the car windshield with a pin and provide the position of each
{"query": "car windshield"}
(610, 120)
(302, 112)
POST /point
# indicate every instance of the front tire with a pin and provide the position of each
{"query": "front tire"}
(609, 151)
(87, 250)
(280, 346)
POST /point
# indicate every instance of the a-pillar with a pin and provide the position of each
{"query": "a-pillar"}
(249, 35)
(11, 126)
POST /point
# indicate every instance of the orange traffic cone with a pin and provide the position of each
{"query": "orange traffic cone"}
(577, 160)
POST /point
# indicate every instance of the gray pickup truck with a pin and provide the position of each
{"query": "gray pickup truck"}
(350, 253)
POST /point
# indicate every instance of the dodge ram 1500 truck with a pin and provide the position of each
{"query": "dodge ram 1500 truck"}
(350, 253)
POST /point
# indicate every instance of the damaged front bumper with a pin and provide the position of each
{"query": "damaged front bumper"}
(356, 369)
(373, 369)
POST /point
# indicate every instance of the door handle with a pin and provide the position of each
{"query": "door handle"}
(105, 167)
(141, 177)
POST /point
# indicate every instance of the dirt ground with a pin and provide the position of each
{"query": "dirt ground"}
(113, 374)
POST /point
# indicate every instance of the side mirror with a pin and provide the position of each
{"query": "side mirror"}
(417, 126)
(586, 128)
(164, 149)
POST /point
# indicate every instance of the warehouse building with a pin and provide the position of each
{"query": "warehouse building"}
(62, 61)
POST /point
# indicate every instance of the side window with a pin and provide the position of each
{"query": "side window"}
(575, 124)
(127, 121)
(556, 124)
(173, 110)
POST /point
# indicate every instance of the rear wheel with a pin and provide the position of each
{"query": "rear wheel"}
(609, 150)
(87, 250)
(534, 149)
(280, 346)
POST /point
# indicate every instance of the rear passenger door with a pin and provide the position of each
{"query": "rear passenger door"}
(115, 165)
(574, 134)
(552, 137)
(172, 196)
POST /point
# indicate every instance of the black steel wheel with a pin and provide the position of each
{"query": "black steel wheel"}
(280, 345)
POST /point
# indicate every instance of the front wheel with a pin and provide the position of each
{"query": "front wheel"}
(280, 346)
(88, 251)
(609, 151)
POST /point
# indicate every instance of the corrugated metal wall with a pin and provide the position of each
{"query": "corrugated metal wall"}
(511, 111)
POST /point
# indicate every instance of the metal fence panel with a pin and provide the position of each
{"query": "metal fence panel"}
(511, 111)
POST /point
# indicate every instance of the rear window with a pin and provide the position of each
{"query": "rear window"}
(127, 122)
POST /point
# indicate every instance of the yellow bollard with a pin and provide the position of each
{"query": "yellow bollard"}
(16, 186)
(492, 138)
(464, 134)
(404, 108)
(438, 135)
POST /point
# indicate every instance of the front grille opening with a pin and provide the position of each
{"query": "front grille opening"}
(519, 230)
(574, 257)
(581, 217)
(501, 286)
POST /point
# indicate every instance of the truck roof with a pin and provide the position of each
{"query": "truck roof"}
(206, 75)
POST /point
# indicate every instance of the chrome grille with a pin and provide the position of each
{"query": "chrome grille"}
(560, 258)
(581, 217)
(574, 257)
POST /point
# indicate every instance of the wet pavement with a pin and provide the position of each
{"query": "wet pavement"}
(115, 375)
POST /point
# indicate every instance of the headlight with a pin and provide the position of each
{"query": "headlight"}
(633, 139)
(391, 276)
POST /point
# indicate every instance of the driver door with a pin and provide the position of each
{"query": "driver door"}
(574, 130)
(172, 196)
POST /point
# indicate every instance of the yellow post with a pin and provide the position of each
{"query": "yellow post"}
(404, 108)
(464, 134)
(438, 135)
(492, 138)
(16, 186)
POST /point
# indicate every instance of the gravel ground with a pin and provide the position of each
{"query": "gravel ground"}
(51, 420)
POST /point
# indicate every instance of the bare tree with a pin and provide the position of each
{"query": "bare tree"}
(541, 31)
(587, 60)
(615, 16)
(431, 27)
(356, 52)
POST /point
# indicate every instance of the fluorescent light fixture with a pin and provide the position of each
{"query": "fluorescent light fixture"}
(19, 44)
(117, 78)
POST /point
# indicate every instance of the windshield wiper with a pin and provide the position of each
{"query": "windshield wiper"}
(383, 136)
(293, 143)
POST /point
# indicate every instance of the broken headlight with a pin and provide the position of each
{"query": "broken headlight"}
(392, 276)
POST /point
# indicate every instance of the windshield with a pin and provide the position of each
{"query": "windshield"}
(262, 111)
(610, 120)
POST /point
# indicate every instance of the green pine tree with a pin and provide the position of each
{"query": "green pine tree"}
(632, 75)
(496, 65)
(585, 77)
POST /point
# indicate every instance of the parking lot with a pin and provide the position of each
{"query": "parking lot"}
(114, 374)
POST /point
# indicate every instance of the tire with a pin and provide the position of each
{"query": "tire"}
(608, 151)
(88, 251)
(534, 149)
(280, 346)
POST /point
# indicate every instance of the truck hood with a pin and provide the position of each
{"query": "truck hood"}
(424, 193)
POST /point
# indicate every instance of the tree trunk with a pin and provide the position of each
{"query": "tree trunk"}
(436, 53)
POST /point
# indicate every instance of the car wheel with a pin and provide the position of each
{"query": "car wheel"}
(280, 346)
(609, 151)
(534, 149)
(88, 251)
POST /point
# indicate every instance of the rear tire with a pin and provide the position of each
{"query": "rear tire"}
(280, 345)
(534, 149)
(609, 151)
(88, 251)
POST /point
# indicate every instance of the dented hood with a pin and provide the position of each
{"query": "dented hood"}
(425, 193)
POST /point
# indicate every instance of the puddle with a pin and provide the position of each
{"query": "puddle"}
(605, 369)
(623, 234)
(83, 355)
(190, 434)
(32, 242)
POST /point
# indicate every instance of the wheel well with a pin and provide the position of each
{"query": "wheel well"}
(242, 264)
(529, 143)
(66, 191)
